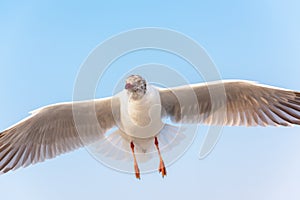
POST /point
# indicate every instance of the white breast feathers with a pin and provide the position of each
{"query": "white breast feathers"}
(141, 118)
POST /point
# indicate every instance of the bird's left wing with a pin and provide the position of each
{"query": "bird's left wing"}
(242, 103)
(51, 131)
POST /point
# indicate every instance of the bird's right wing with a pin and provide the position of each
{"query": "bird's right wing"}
(53, 130)
(243, 102)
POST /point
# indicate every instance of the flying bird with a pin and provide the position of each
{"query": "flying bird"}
(139, 112)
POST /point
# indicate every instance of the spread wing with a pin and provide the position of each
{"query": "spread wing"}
(246, 103)
(51, 131)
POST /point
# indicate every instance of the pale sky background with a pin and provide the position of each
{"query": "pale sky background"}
(42, 46)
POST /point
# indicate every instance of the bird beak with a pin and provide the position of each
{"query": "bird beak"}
(128, 86)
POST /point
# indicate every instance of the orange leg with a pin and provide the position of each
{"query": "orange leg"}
(162, 168)
(136, 167)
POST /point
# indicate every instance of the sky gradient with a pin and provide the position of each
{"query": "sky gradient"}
(44, 44)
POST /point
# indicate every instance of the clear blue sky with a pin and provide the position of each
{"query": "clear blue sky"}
(42, 46)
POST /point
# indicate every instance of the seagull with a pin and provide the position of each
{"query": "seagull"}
(139, 112)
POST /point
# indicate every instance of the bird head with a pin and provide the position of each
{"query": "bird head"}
(136, 87)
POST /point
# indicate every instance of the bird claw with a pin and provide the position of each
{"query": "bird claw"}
(162, 169)
(137, 172)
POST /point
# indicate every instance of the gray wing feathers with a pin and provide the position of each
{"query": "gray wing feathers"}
(51, 131)
(245, 103)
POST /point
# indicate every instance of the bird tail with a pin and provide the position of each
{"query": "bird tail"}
(116, 145)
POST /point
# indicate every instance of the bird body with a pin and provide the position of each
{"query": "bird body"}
(139, 112)
(141, 118)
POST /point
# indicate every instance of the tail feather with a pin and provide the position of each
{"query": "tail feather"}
(116, 145)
